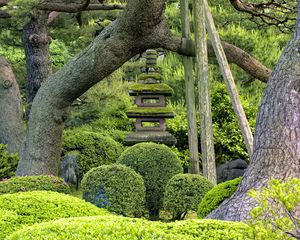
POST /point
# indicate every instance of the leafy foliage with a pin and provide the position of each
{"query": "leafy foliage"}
(183, 193)
(157, 164)
(99, 228)
(207, 229)
(114, 227)
(213, 198)
(275, 217)
(27, 208)
(8, 162)
(115, 187)
(33, 183)
(95, 149)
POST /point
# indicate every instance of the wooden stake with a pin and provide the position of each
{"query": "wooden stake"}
(190, 94)
(207, 144)
(228, 79)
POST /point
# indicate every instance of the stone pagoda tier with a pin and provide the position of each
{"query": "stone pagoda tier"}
(151, 111)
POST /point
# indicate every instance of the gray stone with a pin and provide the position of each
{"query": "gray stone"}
(231, 170)
(69, 169)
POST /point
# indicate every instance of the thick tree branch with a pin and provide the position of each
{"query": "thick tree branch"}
(73, 8)
(68, 8)
(234, 55)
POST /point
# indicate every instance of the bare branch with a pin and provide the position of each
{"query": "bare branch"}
(276, 13)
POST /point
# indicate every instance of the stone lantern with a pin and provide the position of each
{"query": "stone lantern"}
(151, 110)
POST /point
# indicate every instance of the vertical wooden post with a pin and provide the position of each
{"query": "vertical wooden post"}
(228, 79)
(207, 144)
(190, 94)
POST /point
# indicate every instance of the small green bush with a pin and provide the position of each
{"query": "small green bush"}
(213, 198)
(27, 208)
(8, 162)
(157, 164)
(183, 193)
(115, 187)
(95, 149)
(275, 217)
(115, 227)
(34, 183)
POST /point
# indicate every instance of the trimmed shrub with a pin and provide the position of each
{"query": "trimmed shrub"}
(33, 183)
(213, 198)
(95, 149)
(98, 228)
(207, 229)
(183, 193)
(115, 227)
(157, 164)
(8, 162)
(115, 187)
(27, 208)
(8, 222)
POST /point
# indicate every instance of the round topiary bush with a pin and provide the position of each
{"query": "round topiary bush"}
(94, 149)
(183, 193)
(157, 164)
(27, 208)
(33, 183)
(115, 187)
(213, 198)
(8, 162)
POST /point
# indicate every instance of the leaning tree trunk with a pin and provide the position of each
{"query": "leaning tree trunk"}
(36, 44)
(131, 34)
(11, 114)
(277, 135)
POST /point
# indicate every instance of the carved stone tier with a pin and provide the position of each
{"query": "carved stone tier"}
(150, 112)
(157, 137)
(150, 89)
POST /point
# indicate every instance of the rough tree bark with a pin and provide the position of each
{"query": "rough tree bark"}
(36, 44)
(140, 27)
(11, 114)
(277, 135)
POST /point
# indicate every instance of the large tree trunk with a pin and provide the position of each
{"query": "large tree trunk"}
(11, 114)
(36, 44)
(140, 27)
(277, 135)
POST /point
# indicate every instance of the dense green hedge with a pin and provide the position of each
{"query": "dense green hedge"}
(184, 192)
(115, 187)
(208, 229)
(95, 149)
(33, 183)
(27, 208)
(8, 162)
(157, 164)
(114, 227)
(216, 196)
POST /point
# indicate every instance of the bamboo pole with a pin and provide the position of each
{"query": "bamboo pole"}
(190, 94)
(207, 144)
(228, 79)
